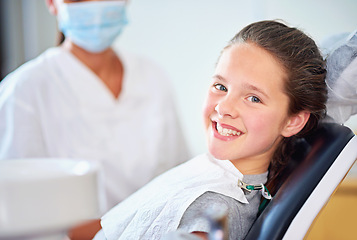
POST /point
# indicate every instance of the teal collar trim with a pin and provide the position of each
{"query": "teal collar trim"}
(249, 188)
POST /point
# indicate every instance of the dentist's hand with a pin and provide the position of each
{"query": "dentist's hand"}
(85, 231)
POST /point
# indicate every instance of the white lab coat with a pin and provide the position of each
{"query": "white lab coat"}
(54, 106)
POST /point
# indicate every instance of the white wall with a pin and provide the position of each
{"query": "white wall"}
(186, 37)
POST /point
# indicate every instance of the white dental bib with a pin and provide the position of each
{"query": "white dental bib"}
(157, 208)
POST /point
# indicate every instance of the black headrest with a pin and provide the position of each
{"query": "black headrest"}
(319, 151)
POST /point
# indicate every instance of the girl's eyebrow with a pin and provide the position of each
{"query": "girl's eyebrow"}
(219, 77)
(255, 88)
(246, 86)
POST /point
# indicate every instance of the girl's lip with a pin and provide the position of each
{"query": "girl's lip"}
(221, 137)
(226, 126)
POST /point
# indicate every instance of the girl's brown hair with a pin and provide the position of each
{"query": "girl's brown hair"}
(305, 83)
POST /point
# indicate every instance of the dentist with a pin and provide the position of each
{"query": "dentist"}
(85, 99)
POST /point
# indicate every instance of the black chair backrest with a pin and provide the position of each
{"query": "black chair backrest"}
(323, 147)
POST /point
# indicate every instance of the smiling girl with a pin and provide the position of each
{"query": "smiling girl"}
(268, 89)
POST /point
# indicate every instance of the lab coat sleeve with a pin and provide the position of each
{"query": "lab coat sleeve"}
(159, 90)
(20, 131)
(180, 149)
(177, 151)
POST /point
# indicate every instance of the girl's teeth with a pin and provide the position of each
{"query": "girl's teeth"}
(226, 131)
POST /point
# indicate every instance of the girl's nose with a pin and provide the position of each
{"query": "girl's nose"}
(226, 109)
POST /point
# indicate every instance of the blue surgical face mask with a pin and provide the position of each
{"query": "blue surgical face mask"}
(92, 25)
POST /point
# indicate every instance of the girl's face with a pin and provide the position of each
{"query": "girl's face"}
(246, 111)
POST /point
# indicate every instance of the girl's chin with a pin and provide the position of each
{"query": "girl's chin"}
(218, 154)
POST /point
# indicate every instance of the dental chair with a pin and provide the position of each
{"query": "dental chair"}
(324, 159)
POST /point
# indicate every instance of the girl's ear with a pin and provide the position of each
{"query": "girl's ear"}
(52, 7)
(295, 123)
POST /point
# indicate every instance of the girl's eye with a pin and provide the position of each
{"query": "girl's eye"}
(254, 99)
(220, 87)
